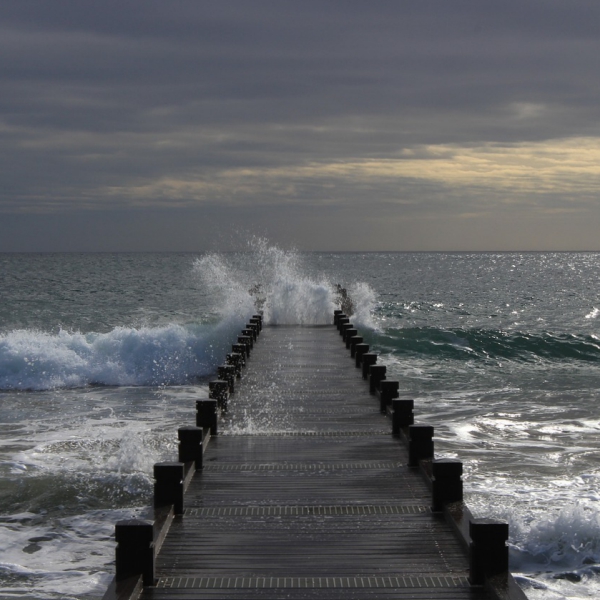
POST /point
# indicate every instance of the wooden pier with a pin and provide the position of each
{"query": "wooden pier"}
(302, 491)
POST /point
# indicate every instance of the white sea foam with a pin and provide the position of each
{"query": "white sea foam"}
(172, 354)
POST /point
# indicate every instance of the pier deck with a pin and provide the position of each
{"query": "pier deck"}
(305, 493)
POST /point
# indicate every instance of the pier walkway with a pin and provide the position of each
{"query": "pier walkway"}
(304, 492)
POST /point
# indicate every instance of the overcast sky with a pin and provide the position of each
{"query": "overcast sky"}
(326, 125)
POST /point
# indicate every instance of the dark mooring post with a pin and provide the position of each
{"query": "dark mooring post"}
(241, 350)
(359, 351)
(388, 390)
(206, 415)
(350, 334)
(135, 550)
(346, 327)
(367, 359)
(219, 391)
(447, 485)
(354, 340)
(235, 359)
(256, 321)
(251, 330)
(420, 443)
(376, 375)
(403, 415)
(342, 320)
(168, 485)
(227, 373)
(247, 343)
(336, 314)
(190, 445)
(249, 333)
(488, 553)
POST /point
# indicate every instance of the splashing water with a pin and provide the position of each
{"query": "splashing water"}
(275, 281)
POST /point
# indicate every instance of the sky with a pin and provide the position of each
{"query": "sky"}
(330, 125)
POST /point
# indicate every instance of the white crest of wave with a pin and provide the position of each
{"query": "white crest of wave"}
(31, 359)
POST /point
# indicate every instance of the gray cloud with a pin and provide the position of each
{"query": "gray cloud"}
(302, 109)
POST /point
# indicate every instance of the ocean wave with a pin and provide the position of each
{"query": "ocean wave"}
(173, 354)
(477, 343)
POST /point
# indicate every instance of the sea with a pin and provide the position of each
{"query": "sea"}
(102, 357)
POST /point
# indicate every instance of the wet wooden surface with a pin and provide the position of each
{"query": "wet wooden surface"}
(305, 493)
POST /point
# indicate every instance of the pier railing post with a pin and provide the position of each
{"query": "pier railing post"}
(247, 343)
(168, 485)
(354, 340)
(488, 552)
(219, 391)
(241, 350)
(402, 415)
(420, 443)
(342, 320)
(376, 375)
(235, 359)
(359, 351)
(447, 485)
(367, 359)
(206, 415)
(135, 550)
(349, 334)
(190, 445)
(388, 390)
(227, 373)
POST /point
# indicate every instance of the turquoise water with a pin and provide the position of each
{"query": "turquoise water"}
(103, 355)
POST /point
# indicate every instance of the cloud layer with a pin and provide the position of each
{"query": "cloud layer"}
(432, 122)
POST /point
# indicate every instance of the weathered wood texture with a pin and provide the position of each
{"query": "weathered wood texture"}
(305, 494)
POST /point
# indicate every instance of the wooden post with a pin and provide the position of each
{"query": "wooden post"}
(402, 415)
(249, 333)
(241, 350)
(227, 373)
(336, 314)
(135, 550)
(245, 340)
(257, 322)
(342, 320)
(235, 359)
(190, 445)
(376, 374)
(168, 485)
(488, 552)
(252, 328)
(218, 390)
(345, 327)
(367, 360)
(420, 443)
(388, 390)
(447, 485)
(350, 333)
(206, 415)
(354, 340)
(359, 350)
